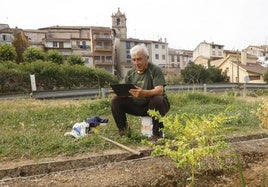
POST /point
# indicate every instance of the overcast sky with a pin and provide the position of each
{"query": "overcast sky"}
(184, 23)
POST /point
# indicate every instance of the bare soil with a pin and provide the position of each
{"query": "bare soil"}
(159, 171)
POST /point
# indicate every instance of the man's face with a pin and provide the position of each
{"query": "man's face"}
(140, 62)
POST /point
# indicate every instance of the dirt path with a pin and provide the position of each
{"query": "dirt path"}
(159, 171)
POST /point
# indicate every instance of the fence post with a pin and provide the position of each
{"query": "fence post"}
(205, 88)
(33, 84)
(244, 90)
(103, 92)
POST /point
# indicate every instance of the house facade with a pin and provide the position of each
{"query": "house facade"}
(179, 58)
(241, 68)
(6, 34)
(261, 52)
(93, 44)
(208, 50)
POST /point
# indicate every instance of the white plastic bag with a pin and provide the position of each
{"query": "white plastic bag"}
(79, 130)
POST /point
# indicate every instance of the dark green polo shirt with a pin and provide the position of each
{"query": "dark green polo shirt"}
(153, 76)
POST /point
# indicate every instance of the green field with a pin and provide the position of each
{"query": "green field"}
(34, 129)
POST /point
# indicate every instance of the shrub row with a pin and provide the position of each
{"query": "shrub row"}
(16, 77)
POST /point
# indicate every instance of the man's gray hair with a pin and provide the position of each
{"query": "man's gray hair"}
(140, 47)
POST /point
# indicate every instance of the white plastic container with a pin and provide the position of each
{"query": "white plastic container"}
(146, 126)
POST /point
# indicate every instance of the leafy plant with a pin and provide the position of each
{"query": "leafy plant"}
(189, 138)
(7, 53)
(32, 54)
(262, 113)
(75, 59)
(55, 56)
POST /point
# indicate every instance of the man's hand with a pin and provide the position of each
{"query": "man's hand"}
(139, 92)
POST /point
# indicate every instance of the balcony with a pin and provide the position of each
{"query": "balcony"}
(102, 37)
(103, 48)
(103, 63)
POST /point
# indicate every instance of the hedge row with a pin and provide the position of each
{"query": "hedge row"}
(16, 77)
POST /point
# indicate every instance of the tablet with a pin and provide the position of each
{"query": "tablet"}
(122, 89)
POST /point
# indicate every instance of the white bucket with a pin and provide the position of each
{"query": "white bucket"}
(146, 126)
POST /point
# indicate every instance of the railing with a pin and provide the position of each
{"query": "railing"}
(104, 92)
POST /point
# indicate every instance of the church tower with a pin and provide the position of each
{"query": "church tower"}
(119, 24)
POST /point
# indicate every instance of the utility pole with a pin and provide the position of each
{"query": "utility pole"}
(237, 56)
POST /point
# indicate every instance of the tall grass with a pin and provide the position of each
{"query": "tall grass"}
(33, 129)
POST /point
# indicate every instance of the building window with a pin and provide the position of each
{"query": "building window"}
(55, 44)
(254, 77)
(4, 37)
(98, 44)
(157, 56)
(163, 57)
(96, 58)
(156, 46)
(118, 21)
(109, 59)
(128, 45)
(163, 47)
(106, 45)
(172, 58)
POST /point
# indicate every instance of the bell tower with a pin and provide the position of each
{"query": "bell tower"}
(119, 24)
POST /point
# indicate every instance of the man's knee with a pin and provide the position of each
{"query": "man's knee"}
(160, 103)
(114, 100)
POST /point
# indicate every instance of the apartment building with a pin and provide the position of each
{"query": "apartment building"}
(6, 34)
(209, 50)
(259, 51)
(179, 58)
(93, 44)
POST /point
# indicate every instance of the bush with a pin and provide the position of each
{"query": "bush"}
(7, 53)
(55, 57)
(16, 77)
(32, 54)
(75, 60)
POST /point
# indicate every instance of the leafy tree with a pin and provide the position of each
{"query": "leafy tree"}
(55, 57)
(7, 53)
(75, 59)
(194, 73)
(214, 75)
(32, 54)
(20, 43)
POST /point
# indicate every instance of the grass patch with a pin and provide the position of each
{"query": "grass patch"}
(33, 129)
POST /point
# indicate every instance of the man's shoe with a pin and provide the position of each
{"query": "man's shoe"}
(154, 138)
(125, 131)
